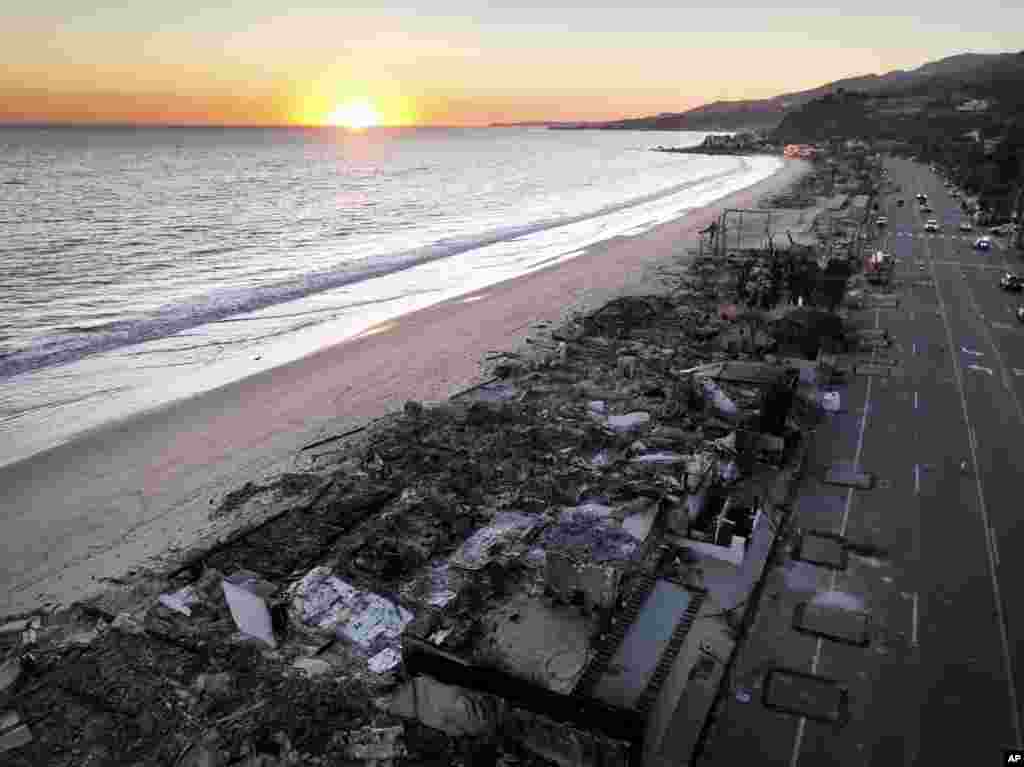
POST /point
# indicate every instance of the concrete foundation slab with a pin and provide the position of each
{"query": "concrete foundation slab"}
(546, 645)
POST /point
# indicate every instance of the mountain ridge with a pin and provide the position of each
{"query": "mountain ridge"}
(768, 113)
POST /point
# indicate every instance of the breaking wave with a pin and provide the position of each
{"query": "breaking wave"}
(217, 305)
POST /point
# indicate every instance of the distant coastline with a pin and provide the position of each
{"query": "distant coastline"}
(555, 125)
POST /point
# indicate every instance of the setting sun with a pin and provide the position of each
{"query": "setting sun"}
(356, 115)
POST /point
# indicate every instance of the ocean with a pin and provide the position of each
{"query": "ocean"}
(139, 266)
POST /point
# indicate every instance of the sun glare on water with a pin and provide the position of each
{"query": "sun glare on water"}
(355, 115)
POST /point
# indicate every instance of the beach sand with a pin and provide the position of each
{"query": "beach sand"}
(117, 498)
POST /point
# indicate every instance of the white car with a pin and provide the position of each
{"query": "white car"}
(966, 226)
(932, 225)
(983, 243)
(882, 221)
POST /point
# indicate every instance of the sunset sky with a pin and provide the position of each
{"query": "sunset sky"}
(455, 63)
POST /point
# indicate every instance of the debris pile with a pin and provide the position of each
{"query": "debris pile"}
(504, 526)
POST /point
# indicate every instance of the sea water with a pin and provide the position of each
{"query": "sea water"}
(141, 265)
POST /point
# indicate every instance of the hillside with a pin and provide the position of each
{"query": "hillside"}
(946, 102)
(968, 121)
(769, 113)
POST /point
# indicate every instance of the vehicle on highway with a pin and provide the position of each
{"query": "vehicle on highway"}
(899, 203)
(1012, 282)
(882, 220)
(1003, 229)
(932, 225)
(921, 197)
(983, 243)
(926, 208)
(1020, 313)
(966, 226)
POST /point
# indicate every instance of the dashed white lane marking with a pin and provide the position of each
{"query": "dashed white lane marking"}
(917, 479)
(981, 369)
(1018, 372)
(915, 347)
(915, 400)
(973, 353)
(1002, 326)
(913, 631)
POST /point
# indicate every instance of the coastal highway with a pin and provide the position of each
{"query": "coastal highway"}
(955, 697)
(940, 682)
(969, 348)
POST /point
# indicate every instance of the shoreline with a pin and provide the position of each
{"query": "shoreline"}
(121, 495)
(54, 404)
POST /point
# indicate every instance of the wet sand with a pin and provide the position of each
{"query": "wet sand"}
(115, 498)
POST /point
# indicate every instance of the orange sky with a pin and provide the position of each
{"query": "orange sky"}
(451, 62)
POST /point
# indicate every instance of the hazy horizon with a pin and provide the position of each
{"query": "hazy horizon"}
(452, 63)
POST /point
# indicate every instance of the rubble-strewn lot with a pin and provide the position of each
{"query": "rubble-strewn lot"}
(283, 645)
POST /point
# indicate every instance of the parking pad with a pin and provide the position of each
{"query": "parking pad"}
(823, 549)
(808, 695)
(838, 475)
(833, 622)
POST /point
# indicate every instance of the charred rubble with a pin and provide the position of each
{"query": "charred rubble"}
(535, 572)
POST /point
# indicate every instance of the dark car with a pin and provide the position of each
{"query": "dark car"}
(899, 203)
(1012, 282)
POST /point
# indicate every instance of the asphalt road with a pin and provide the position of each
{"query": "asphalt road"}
(941, 681)
(972, 587)
(956, 700)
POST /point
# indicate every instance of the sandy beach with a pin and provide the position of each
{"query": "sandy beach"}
(114, 499)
